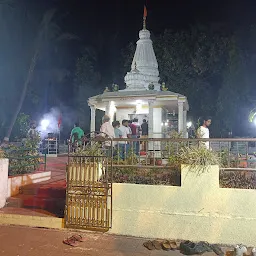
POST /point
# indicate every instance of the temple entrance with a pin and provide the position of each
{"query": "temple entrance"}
(139, 116)
(89, 191)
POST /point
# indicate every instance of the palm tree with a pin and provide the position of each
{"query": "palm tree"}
(48, 31)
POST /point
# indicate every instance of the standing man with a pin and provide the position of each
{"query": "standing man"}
(124, 146)
(135, 128)
(203, 131)
(118, 133)
(107, 130)
(144, 133)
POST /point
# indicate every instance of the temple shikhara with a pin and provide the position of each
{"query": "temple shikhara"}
(144, 97)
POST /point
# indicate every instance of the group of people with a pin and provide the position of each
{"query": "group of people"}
(127, 129)
(132, 129)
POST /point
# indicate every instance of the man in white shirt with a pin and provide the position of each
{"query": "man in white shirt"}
(123, 145)
(203, 131)
(107, 130)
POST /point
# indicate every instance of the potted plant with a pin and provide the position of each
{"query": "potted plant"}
(4, 163)
(199, 159)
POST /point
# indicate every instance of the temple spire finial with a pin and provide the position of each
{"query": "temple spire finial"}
(145, 17)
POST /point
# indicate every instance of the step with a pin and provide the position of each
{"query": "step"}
(14, 202)
(54, 189)
(51, 192)
(53, 205)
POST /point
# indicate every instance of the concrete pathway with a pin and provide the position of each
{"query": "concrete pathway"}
(24, 241)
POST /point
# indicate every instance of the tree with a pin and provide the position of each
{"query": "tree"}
(190, 63)
(22, 126)
(86, 82)
(47, 32)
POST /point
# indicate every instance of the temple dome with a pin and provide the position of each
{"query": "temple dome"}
(144, 68)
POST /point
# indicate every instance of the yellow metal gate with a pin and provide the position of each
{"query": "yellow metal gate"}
(89, 193)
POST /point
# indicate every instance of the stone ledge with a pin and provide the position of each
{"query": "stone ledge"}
(31, 221)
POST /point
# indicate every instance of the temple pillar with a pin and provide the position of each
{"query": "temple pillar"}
(185, 134)
(150, 145)
(150, 118)
(180, 116)
(107, 109)
(110, 110)
(93, 118)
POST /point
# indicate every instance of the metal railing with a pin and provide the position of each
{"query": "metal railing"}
(24, 160)
(156, 152)
(156, 161)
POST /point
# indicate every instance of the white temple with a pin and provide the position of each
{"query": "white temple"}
(144, 97)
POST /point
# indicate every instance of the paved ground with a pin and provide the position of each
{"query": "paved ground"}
(24, 241)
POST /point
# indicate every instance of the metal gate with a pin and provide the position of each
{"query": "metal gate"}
(89, 192)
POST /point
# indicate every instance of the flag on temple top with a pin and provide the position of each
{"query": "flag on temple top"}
(145, 12)
(59, 121)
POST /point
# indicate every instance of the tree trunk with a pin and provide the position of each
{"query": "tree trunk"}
(23, 95)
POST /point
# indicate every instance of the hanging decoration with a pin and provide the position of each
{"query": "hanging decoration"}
(106, 89)
(151, 86)
(163, 87)
(115, 88)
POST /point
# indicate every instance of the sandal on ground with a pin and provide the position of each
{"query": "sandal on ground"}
(217, 249)
(149, 245)
(174, 245)
(157, 245)
(71, 242)
(166, 245)
(230, 253)
(178, 244)
(79, 238)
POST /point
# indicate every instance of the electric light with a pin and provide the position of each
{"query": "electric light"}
(45, 123)
(189, 124)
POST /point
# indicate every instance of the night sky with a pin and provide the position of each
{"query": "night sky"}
(124, 17)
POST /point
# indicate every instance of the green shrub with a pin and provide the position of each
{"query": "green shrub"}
(199, 158)
(23, 159)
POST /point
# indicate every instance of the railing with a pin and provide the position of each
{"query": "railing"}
(156, 160)
(24, 160)
(157, 152)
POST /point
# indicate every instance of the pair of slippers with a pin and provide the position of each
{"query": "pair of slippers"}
(74, 240)
(165, 245)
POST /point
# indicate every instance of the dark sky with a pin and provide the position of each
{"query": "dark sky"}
(124, 18)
